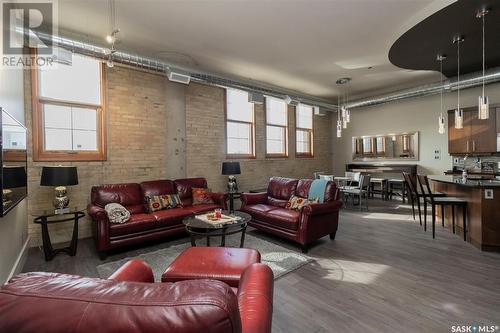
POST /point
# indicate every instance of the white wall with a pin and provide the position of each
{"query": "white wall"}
(416, 114)
(13, 226)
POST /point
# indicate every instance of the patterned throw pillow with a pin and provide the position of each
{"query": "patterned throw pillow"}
(165, 201)
(201, 196)
(296, 203)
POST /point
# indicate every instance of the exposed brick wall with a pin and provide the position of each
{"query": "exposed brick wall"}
(206, 146)
(137, 144)
(136, 147)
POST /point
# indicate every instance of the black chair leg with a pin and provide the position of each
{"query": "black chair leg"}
(419, 211)
(442, 216)
(464, 212)
(453, 218)
(433, 221)
(413, 210)
(425, 214)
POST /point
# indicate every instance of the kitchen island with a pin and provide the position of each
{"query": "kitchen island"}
(483, 208)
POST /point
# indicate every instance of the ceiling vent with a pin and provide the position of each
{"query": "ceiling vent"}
(177, 75)
(255, 98)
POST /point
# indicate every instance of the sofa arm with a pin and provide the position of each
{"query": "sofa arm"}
(253, 198)
(101, 226)
(96, 212)
(322, 208)
(255, 299)
(220, 199)
(134, 270)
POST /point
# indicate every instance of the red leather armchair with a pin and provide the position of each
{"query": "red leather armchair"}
(142, 225)
(305, 226)
(129, 302)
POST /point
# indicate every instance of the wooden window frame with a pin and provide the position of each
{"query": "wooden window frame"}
(378, 152)
(372, 150)
(270, 155)
(310, 132)
(252, 132)
(39, 152)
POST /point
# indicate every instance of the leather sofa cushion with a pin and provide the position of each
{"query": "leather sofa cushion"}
(28, 304)
(281, 188)
(171, 216)
(157, 187)
(277, 202)
(196, 209)
(184, 186)
(136, 223)
(259, 211)
(218, 263)
(285, 218)
(125, 194)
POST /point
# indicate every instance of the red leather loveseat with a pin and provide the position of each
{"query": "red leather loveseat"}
(129, 302)
(142, 225)
(303, 226)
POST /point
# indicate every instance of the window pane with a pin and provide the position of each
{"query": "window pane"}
(303, 142)
(57, 116)
(58, 139)
(380, 144)
(367, 145)
(239, 138)
(84, 140)
(275, 141)
(276, 111)
(304, 116)
(78, 82)
(84, 119)
(238, 107)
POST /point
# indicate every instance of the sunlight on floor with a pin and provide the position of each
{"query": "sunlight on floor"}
(386, 216)
(357, 272)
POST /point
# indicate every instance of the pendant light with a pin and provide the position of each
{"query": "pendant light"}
(459, 113)
(344, 113)
(339, 121)
(112, 37)
(483, 104)
(441, 128)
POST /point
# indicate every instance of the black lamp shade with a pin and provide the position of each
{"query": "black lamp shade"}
(59, 176)
(14, 177)
(231, 168)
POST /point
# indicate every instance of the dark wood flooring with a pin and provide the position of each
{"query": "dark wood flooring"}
(383, 273)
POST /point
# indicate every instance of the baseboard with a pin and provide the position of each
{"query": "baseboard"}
(21, 259)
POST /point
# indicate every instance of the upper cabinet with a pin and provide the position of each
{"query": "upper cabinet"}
(476, 137)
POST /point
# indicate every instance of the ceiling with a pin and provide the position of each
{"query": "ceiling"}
(437, 32)
(303, 45)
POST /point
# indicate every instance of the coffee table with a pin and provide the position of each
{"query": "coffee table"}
(199, 229)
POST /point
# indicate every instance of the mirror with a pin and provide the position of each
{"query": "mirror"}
(394, 146)
(13, 179)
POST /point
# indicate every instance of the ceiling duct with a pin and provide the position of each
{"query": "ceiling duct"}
(466, 81)
(177, 75)
(156, 65)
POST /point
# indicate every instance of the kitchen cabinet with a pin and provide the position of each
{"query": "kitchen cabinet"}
(477, 136)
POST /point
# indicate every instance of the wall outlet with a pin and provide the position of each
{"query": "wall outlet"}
(455, 160)
(488, 193)
(437, 154)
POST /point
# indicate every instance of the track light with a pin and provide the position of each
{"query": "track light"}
(111, 38)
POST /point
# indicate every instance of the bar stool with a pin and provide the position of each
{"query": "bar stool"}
(414, 196)
(382, 182)
(442, 201)
(399, 184)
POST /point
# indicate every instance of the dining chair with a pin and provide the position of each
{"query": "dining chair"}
(415, 195)
(360, 191)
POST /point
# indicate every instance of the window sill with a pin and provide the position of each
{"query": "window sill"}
(69, 157)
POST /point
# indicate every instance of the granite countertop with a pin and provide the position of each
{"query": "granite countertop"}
(470, 182)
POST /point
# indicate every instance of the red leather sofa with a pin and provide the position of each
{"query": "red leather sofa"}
(304, 226)
(129, 302)
(144, 226)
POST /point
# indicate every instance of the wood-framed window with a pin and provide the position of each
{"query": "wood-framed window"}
(380, 145)
(304, 130)
(68, 111)
(276, 127)
(406, 143)
(240, 125)
(367, 146)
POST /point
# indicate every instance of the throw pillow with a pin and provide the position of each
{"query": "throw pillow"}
(165, 201)
(201, 196)
(117, 213)
(296, 203)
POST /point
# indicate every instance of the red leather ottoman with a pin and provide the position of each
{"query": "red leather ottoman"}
(217, 263)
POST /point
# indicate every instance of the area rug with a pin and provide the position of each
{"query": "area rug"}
(280, 259)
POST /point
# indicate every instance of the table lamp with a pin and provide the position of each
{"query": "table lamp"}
(13, 177)
(60, 177)
(230, 169)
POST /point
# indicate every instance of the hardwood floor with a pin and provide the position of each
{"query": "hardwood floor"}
(383, 273)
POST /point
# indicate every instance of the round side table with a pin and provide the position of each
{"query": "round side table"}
(49, 217)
